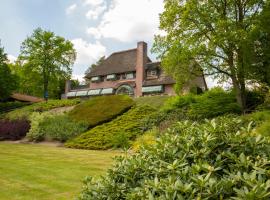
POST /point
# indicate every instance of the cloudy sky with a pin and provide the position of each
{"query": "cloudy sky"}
(96, 27)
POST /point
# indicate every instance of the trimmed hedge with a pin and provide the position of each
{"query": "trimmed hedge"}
(217, 159)
(101, 109)
(25, 112)
(117, 133)
(13, 130)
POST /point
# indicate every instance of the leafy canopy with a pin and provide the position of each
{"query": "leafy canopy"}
(47, 58)
(8, 80)
(209, 36)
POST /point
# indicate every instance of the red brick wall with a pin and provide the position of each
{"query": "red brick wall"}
(111, 84)
(168, 89)
(140, 67)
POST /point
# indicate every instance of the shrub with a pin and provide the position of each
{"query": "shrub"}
(212, 103)
(13, 130)
(7, 106)
(101, 109)
(217, 159)
(178, 102)
(46, 126)
(25, 112)
(117, 133)
(148, 138)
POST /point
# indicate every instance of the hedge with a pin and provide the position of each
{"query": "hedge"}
(25, 112)
(117, 133)
(101, 109)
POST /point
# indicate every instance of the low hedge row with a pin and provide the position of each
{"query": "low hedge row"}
(101, 109)
(117, 133)
(13, 129)
(25, 112)
(7, 106)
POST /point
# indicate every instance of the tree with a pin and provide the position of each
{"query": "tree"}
(48, 57)
(8, 80)
(100, 61)
(209, 35)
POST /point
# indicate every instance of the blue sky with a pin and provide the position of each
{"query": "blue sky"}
(96, 27)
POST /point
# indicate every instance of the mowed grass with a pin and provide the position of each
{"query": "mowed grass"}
(42, 172)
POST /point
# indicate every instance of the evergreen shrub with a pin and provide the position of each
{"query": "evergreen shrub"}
(117, 133)
(216, 159)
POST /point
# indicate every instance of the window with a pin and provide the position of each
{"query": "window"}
(111, 77)
(95, 79)
(152, 89)
(152, 73)
(129, 76)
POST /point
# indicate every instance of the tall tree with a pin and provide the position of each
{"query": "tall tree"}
(8, 80)
(211, 34)
(49, 56)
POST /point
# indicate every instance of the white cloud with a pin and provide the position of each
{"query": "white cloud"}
(93, 2)
(71, 9)
(93, 31)
(87, 53)
(96, 12)
(11, 58)
(129, 20)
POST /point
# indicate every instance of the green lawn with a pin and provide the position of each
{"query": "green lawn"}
(44, 172)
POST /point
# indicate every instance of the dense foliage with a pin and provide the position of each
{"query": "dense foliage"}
(13, 130)
(26, 111)
(8, 80)
(116, 133)
(45, 63)
(53, 127)
(216, 37)
(101, 109)
(7, 106)
(217, 159)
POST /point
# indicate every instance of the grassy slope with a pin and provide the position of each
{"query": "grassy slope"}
(44, 172)
(154, 101)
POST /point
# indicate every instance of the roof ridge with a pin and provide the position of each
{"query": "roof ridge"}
(124, 51)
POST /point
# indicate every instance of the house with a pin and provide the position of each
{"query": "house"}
(129, 72)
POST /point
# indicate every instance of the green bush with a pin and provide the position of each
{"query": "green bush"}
(7, 106)
(25, 112)
(217, 159)
(154, 101)
(101, 109)
(49, 127)
(117, 133)
(148, 138)
(212, 103)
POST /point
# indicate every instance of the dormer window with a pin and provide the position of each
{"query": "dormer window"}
(111, 77)
(96, 79)
(129, 76)
(152, 73)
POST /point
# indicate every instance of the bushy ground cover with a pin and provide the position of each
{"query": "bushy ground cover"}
(213, 159)
(117, 133)
(13, 129)
(101, 109)
(43, 172)
(25, 112)
(54, 127)
(7, 106)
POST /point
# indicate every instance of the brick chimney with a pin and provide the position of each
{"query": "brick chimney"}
(67, 86)
(141, 61)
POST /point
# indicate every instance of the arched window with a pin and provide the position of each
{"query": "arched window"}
(125, 89)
